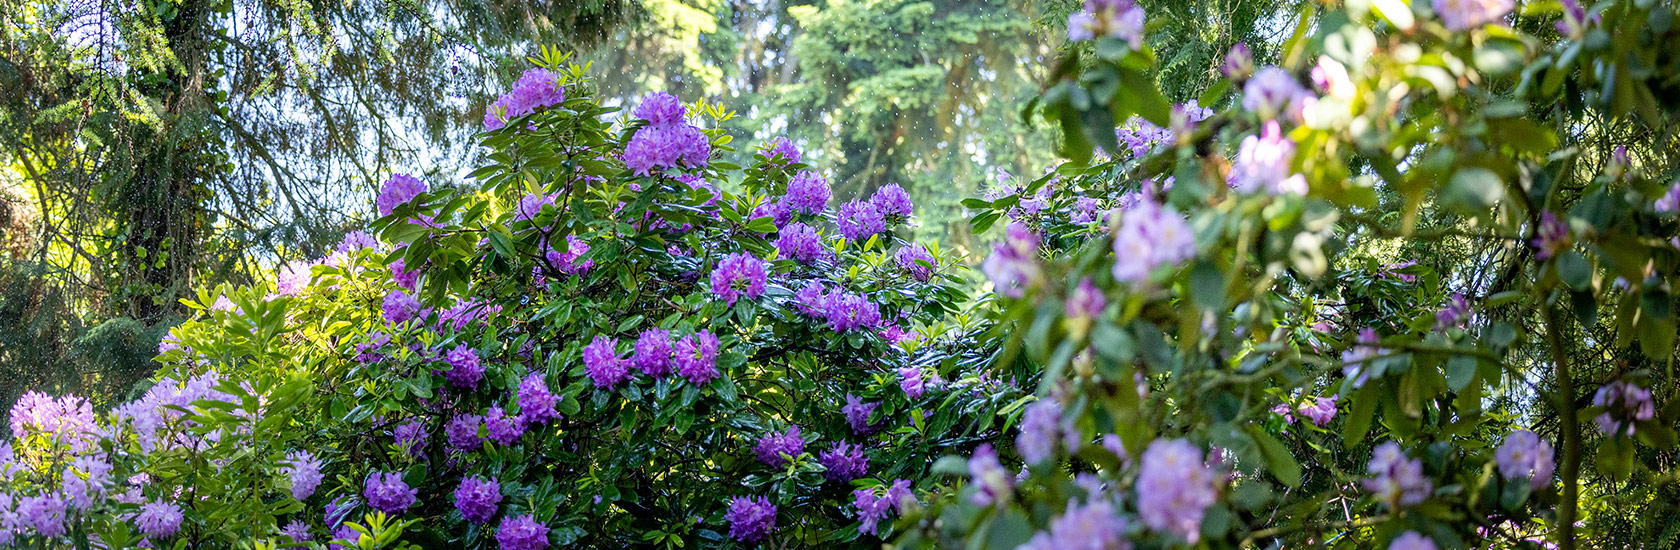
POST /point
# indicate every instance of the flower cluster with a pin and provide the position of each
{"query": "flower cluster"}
(522, 533)
(1109, 18)
(667, 140)
(844, 462)
(464, 368)
(1174, 488)
(1624, 405)
(751, 520)
(696, 356)
(992, 483)
(305, 472)
(399, 189)
(536, 402)
(535, 89)
(1670, 201)
(1265, 162)
(1460, 15)
(477, 498)
(410, 437)
(1396, 479)
(1150, 236)
(1094, 525)
(388, 493)
(567, 262)
(857, 414)
(915, 260)
(773, 446)
(1013, 265)
(844, 311)
(159, 519)
(782, 150)
(1454, 314)
(1524, 455)
(1041, 430)
(653, 354)
(400, 307)
(739, 274)
(801, 243)
(1550, 238)
(602, 364)
(872, 508)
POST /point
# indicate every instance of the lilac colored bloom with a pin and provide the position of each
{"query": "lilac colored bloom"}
(1454, 314)
(1093, 526)
(464, 368)
(1356, 356)
(807, 192)
(1086, 302)
(891, 200)
(159, 519)
(739, 274)
(661, 108)
(1139, 136)
(1239, 62)
(503, 429)
(356, 240)
(1264, 164)
(1670, 201)
(911, 381)
(567, 262)
(653, 354)
(1395, 479)
(43, 513)
(1320, 411)
(750, 520)
(1086, 210)
(1040, 431)
(1624, 405)
(290, 279)
(399, 307)
(1288, 413)
(844, 462)
(346, 533)
(781, 148)
(1150, 236)
(1523, 455)
(1272, 92)
(1412, 540)
(799, 242)
(522, 533)
(305, 472)
(537, 88)
(410, 437)
(777, 210)
(1575, 22)
(399, 189)
(871, 509)
(297, 530)
(993, 483)
(388, 493)
(847, 311)
(1175, 487)
(532, 204)
(462, 432)
(859, 220)
(1108, 18)
(697, 358)
(85, 478)
(812, 299)
(857, 414)
(536, 402)
(406, 278)
(1460, 15)
(910, 258)
(477, 498)
(772, 446)
(1013, 265)
(601, 361)
(661, 146)
(1550, 238)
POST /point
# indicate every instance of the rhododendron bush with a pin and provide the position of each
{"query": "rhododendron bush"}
(1386, 293)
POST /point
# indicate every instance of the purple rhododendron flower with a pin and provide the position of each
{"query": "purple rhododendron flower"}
(532, 204)
(305, 472)
(43, 513)
(462, 432)
(1670, 201)
(1150, 236)
(1356, 356)
(601, 362)
(1523, 455)
(1264, 162)
(859, 220)
(751, 520)
(1624, 404)
(477, 498)
(871, 509)
(159, 519)
(1459, 15)
(1550, 238)
(1454, 314)
(464, 368)
(1412, 540)
(522, 533)
(345, 533)
(778, 211)
(1040, 430)
(388, 493)
(1086, 210)
(1272, 92)
(911, 381)
(503, 429)
(892, 200)
(399, 189)
(1093, 526)
(1175, 487)
(537, 88)
(297, 530)
(988, 476)
(408, 279)
(697, 358)
(739, 274)
(1086, 302)
(857, 414)
(781, 151)
(800, 242)
(1013, 265)
(668, 138)
(1111, 18)
(1320, 411)
(846, 311)
(399, 307)
(1396, 479)
(772, 446)
(661, 108)
(536, 402)
(807, 192)
(1239, 62)
(907, 257)
(410, 437)
(654, 355)
(567, 262)
(844, 462)
(292, 278)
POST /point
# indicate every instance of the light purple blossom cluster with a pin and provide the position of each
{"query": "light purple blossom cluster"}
(503, 429)
(653, 354)
(1624, 405)
(291, 278)
(857, 414)
(1150, 236)
(992, 483)
(1175, 487)
(1239, 62)
(1356, 357)
(537, 88)
(911, 381)
(1140, 136)
(1395, 479)
(1095, 525)
(1454, 314)
(1087, 210)
(464, 368)
(1013, 265)
(807, 192)
(739, 274)
(1550, 238)
(1273, 93)
(801, 243)
(536, 402)
(159, 519)
(1108, 18)
(522, 533)
(1320, 410)
(751, 520)
(567, 262)
(399, 189)
(1670, 201)
(772, 446)
(386, 492)
(1041, 430)
(408, 279)
(843, 310)
(1265, 163)
(66, 420)
(872, 509)
(781, 151)
(911, 259)
(399, 307)
(44, 513)
(462, 432)
(603, 365)
(1523, 455)
(1085, 302)
(859, 220)
(892, 201)
(696, 356)
(410, 437)
(1459, 15)
(667, 140)
(1411, 540)
(477, 498)
(844, 462)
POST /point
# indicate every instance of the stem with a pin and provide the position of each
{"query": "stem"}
(1569, 431)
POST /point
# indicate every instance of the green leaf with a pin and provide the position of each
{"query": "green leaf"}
(1461, 369)
(1574, 270)
(1359, 418)
(1278, 459)
(1473, 189)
